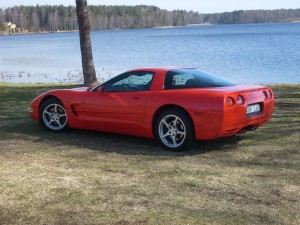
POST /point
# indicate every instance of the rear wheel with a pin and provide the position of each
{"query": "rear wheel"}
(174, 130)
(53, 115)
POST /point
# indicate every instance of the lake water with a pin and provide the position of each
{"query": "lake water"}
(252, 54)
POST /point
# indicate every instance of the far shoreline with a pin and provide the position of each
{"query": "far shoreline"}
(40, 32)
(5, 33)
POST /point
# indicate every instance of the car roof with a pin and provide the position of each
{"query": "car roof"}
(156, 69)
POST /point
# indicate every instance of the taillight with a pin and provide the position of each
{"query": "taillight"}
(265, 95)
(230, 101)
(240, 100)
(269, 94)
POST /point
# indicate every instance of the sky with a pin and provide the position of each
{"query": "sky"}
(202, 6)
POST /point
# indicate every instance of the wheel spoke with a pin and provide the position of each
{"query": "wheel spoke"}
(175, 121)
(166, 135)
(58, 122)
(48, 113)
(55, 108)
(174, 141)
(181, 132)
(51, 121)
(165, 122)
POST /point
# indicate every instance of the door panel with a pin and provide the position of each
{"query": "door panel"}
(114, 110)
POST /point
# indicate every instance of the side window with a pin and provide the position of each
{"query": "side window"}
(181, 80)
(131, 82)
(191, 78)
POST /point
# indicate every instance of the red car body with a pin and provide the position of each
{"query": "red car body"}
(214, 111)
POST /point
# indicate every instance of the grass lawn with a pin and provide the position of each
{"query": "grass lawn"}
(85, 177)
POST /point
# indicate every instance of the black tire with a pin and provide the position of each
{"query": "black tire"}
(53, 115)
(174, 130)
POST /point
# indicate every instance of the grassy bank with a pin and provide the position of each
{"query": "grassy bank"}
(85, 177)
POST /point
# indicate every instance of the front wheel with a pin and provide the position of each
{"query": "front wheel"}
(174, 130)
(53, 115)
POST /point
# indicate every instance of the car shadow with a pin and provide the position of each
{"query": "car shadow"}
(120, 144)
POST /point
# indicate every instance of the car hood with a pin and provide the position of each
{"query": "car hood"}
(81, 89)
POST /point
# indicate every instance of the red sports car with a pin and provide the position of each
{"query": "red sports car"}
(174, 105)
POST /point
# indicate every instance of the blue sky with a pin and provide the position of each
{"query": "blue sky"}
(203, 6)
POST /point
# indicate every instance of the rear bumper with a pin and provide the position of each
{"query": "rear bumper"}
(239, 122)
(243, 127)
(231, 122)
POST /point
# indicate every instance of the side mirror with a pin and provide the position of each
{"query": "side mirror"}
(101, 89)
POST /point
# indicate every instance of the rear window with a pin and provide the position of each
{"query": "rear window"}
(192, 78)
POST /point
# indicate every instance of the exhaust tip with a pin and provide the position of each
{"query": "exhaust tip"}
(242, 132)
(246, 129)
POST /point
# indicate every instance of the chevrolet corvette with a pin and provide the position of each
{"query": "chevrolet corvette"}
(174, 105)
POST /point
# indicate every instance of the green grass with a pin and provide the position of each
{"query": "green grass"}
(85, 177)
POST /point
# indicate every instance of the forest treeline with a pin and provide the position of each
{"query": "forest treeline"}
(58, 17)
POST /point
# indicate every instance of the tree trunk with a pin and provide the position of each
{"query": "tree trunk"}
(88, 68)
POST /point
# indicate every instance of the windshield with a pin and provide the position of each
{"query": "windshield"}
(192, 78)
